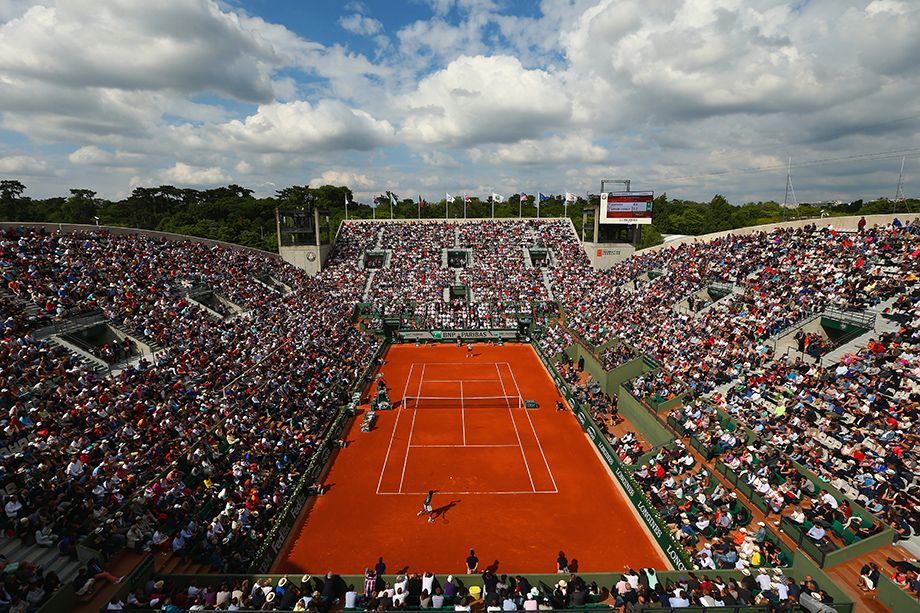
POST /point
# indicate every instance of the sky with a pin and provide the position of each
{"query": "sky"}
(688, 97)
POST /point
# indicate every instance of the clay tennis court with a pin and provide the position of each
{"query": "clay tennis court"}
(517, 484)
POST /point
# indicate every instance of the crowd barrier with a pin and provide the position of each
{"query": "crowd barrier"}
(894, 597)
(829, 556)
(676, 554)
(647, 422)
(826, 557)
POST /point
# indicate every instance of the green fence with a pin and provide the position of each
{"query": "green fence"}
(62, 600)
(649, 424)
(676, 554)
(833, 555)
(826, 555)
(895, 598)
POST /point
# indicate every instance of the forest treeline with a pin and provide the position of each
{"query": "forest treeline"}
(234, 214)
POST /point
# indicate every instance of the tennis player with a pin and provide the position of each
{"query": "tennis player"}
(426, 507)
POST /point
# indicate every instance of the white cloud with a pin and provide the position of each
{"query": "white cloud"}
(359, 24)
(22, 165)
(484, 99)
(184, 46)
(91, 155)
(301, 127)
(354, 180)
(439, 158)
(473, 94)
(184, 174)
(568, 149)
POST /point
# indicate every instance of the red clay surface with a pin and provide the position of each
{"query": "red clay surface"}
(516, 484)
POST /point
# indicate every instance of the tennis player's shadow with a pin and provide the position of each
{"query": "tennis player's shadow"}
(441, 512)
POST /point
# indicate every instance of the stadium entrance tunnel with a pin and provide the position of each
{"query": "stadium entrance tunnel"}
(458, 258)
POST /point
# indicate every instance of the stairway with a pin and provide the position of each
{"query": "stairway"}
(173, 564)
(48, 558)
(549, 284)
(379, 242)
(365, 296)
(829, 359)
(29, 308)
(88, 359)
(883, 324)
(137, 334)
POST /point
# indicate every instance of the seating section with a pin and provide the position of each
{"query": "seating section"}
(192, 453)
(642, 589)
(195, 450)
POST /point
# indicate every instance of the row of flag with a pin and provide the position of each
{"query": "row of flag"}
(496, 198)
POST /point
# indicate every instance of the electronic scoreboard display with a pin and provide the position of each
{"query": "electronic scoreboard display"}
(626, 207)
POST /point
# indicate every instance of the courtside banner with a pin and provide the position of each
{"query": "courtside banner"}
(445, 335)
(674, 552)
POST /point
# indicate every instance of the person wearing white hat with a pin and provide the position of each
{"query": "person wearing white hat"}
(530, 601)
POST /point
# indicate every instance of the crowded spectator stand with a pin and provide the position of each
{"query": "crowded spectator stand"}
(246, 398)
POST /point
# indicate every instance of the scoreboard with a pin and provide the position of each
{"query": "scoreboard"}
(626, 207)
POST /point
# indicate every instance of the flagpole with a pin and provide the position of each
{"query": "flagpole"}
(520, 204)
(492, 198)
(464, 206)
(446, 208)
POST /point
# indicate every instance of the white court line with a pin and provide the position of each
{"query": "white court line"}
(467, 364)
(516, 433)
(466, 446)
(462, 415)
(408, 379)
(468, 493)
(386, 458)
(539, 444)
(402, 476)
(459, 380)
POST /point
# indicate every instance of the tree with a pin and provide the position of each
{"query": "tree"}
(10, 194)
(81, 207)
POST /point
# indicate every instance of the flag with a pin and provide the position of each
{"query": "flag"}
(542, 197)
(497, 197)
(450, 199)
(347, 201)
(524, 197)
(421, 202)
(467, 199)
(570, 197)
(376, 200)
(392, 198)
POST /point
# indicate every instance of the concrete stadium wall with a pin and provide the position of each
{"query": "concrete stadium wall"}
(846, 224)
(70, 228)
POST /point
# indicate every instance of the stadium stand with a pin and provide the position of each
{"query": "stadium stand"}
(192, 447)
